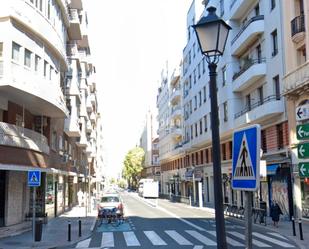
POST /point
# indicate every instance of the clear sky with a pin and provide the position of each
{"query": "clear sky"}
(131, 41)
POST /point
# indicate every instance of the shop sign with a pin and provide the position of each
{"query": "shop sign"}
(303, 150)
(303, 169)
(302, 112)
(302, 131)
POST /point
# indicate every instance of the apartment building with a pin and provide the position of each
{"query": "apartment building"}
(250, 86)
(48, 107)
(295, 89)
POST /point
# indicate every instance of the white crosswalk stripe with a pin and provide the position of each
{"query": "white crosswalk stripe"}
(184, 238)
(131, 239)
(178, 238)
(155, 238)
(107, 240)
(228, 239)
(254, 241)
(275, 241)
(201, 238)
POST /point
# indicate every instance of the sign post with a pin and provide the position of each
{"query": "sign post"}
(246, 169)
(34, 180)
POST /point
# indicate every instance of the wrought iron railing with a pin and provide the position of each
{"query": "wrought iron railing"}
(298, 25)
(247, 65)
(243, 28)
(257, 104)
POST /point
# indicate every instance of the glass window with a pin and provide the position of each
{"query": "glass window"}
(272, 4)
(200, 98)
(201, 126)
(204, 92)
(15, 51)
(45, 68)
(205, 123)
(37, 63)
(275, 42)
(277, 87)
(27, 58)
(223, 76)
(225, 111)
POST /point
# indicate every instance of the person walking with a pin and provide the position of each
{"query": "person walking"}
(275, 212)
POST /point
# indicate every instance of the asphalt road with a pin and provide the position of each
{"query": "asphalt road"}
(171, 225)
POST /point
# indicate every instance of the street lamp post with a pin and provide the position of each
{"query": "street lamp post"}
(212, 33)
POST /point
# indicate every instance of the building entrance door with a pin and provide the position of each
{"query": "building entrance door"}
(2, 196)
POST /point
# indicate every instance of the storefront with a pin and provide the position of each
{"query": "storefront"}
(50, 195)
(304, 182)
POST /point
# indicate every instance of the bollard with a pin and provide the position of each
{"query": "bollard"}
(79, 228)
(190, 201)
(293, 226)
(69, 231)
(300, 230)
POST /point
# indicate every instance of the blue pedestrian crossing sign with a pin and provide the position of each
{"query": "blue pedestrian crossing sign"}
(246, 158)
(34, 178)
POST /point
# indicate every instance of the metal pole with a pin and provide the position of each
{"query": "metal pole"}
(194, 190)
(220, 226)
(248, 219)
(33, 212)
(69, 231)
(293, 226)
(79, 228)
(300, 230)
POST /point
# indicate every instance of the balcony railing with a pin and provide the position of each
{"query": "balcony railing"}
(247, 65)
(16, 136)
(298, 25)
(243, 28)
(257, 104)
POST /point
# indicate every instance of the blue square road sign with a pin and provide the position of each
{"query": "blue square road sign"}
(34, 178)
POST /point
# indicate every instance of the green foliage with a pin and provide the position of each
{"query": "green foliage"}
(133, 165)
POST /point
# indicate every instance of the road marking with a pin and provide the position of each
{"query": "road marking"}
(198, 247)
(201, 238)
(275, 241)
(154, 238)
(83, 244)
(278, 235)
(131, 239)
(228, 239)
(107, 239)
(178, 238)
(255, 242)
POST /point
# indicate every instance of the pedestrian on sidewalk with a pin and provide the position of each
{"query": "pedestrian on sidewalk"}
(275, 212)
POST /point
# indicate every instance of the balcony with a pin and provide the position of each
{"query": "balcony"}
(82, 141)
(296, 80)
(93, 99)
(71, 127)
(89, 127)
(247, 34)
(298, 29)
(176, 112)
(16, 136)
(75, 32)
(89, 105)
(72, 50)
(252, 71)
(93, 117)
(176, 131)
(176, 95)
(238, 8)
(260, 111)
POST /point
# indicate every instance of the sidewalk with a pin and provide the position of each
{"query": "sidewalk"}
(55, 233)
(285, 226)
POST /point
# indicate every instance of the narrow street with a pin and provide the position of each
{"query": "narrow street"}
(172, 225)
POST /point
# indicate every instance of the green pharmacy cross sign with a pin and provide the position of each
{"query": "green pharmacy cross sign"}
(302, 131)
(303, 169)
(303, 150)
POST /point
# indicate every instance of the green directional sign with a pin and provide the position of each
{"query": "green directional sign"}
(303, 150)
(302, 131)
(303, 169)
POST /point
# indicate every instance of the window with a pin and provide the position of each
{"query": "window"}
(280, 136)
(19, 120)
(194, 76)
(204, 92)
(221, 7)
(190, 106)
(257, 10)
(230, 144)
(189, 57)
(1, 49)
(200, 98)
(191, 132)
(201, 126)
(248, 102)
(263, 141)
(225, 114)
(45, 68)
(199, 70)
(275, 42)
(223, 76)
(272, 4)
(277, 87)
(259, 53)
(196, 134)
(54, 140)
(204, 65)
(27, 58)
(37, 63)
(223, 152)
(51, 70)
(195, 102)
(15, 51)
(260, 95)
(205, 123)
(193, 50)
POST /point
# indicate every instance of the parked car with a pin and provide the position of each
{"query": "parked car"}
(110, 201)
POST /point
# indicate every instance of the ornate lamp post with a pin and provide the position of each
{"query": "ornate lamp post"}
(212, 33)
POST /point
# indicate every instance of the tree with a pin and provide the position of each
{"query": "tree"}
(133, 165)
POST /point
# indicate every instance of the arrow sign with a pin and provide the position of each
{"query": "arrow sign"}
(302, 112)
(303, 150)
(303, 169)
(302, 131)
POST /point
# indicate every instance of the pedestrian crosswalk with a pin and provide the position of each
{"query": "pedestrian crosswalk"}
(181, 238)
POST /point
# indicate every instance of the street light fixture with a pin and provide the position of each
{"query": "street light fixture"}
(212, 33)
